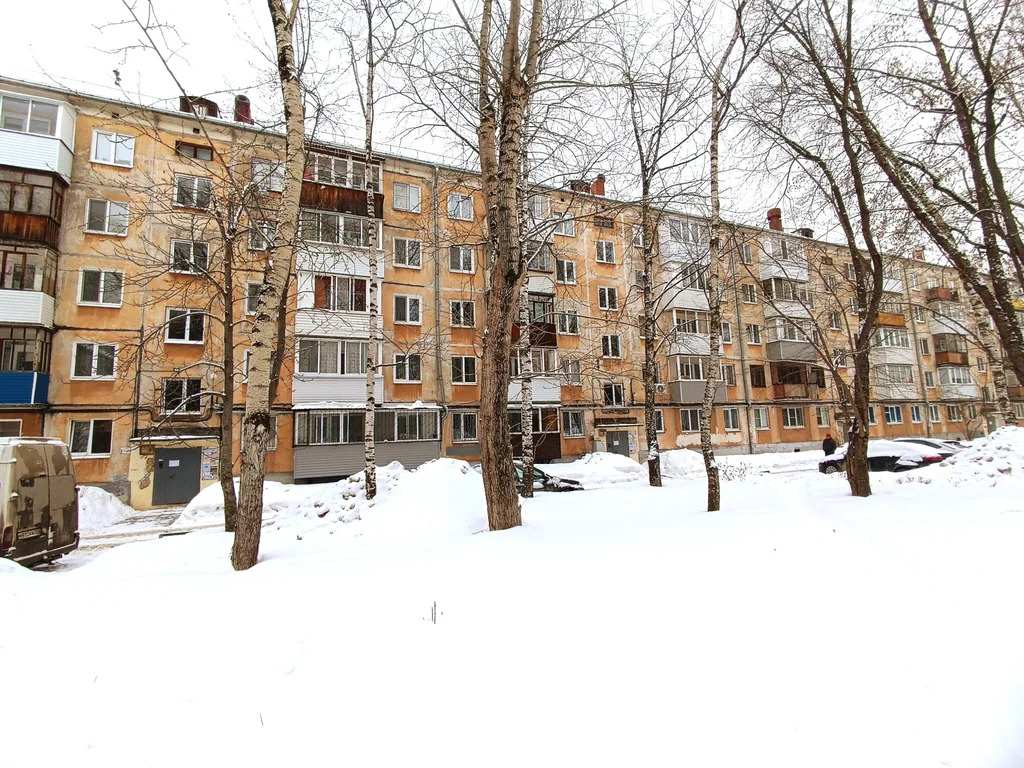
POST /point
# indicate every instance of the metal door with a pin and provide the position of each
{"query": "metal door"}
(176, 475)
(618, 442)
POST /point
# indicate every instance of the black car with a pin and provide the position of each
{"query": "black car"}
(542, 481)
(885, 456)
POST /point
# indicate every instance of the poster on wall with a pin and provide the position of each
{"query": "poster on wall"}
(632, 442)
(210, 458)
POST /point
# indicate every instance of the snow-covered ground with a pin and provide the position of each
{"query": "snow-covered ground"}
(618, 626)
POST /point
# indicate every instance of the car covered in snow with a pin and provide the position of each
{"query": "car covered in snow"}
(945, 448)
(542, 481)
(884, 456)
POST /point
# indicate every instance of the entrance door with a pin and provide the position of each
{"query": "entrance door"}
(618, 442)
(176, 475)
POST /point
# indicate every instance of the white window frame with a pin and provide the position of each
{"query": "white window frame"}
(608, 298)
(189, 312)
(11, 421)
(929, 379)
(102, 292)
(461, 417)
(195, 404)
(686, 423)
(107, 217)
(915, 414)
(753, 334)
(788, 415)
(565, 271)
(460, 305)
(457, 202)
(261, 235)
(465, 380)
(605, 252)
(872, 417)
(463, 251)
(405, 264)
(728, 376)
(748, 292)
(746, 254)
(734, 413)
(610, 342)
(410, 205)
(191, 269)
(92, 431)
(567, 322)
(823, 418)
(95, 356)
(268, 175)
(618, 395)
(894, 414)
(726, 330)
(194, 204)
(934, 415)
(402, 365)
(408, 301)
(252, 300)
(954, 413)
(119, 139)
(982, 365)
(566, 225)
(659, 420)
(569, 429)
(762, 418)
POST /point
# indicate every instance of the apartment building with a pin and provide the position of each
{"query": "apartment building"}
(122, 229)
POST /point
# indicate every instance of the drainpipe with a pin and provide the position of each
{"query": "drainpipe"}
(439, 379)
(740, 340)
(917, 352)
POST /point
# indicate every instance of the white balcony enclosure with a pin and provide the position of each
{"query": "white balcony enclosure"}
(959, 391)
(787, 270)
(546, 389)
(783, 308)
(689, 298)
(882, 355)
(690, 344)
(46, 147)
(26, 307)
(336, 260)
(540, 283)
(307, 388)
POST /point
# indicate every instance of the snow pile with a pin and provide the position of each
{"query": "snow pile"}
(989, 460)
(98, 509)
(682, 463)
(597, 469)
(449, 484)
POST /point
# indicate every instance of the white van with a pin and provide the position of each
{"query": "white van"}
(38, 499)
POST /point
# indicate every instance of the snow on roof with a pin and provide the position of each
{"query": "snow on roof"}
(339, 405)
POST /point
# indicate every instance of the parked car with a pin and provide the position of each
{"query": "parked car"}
(542, 481)
(884, 456)
(945, 448)
(38, 500)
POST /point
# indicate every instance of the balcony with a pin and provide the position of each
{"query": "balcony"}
(693, 392)
(29, 228)
(541, 334)
(785, 351)
(941, 294)
(41, 153)
(894, 391)
(545, 389)
(892, 284)
(327, 197)
(795, 391)
(786, 269)
(690, 344)
(892, 319)
(959, 391)
(26, 308)
(23, 388)
(951, 358)
(1015, 393)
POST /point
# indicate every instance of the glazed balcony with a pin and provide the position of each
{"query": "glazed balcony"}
(951, 358)
(892, 319)
(795, 391)
(787, 351)
(941, 294)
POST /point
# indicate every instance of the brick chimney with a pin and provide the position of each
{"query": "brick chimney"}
(243, 111)
(597, 186)
(919, 254)
(775, 219)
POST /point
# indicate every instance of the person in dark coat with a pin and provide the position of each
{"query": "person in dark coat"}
(828, 445)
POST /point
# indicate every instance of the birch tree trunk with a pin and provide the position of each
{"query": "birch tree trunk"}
(526, 399)
(369, 447)
(257, 423)
(650, 349)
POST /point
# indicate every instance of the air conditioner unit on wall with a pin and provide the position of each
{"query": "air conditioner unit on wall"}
(660, 389)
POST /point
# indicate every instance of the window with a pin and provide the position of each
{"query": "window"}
(408, 253)
(835, 321)
(463, 427)
(607, 298)
(871, 416)
(407, 310)
(925, 347)
(915, 414)
(605, 252)
(405, 425)
(113, 148)
(731, 416)
(757, 377)
(566, 226)
(405, 197)
(893, 414)
(252, 297)
(982, 365)
(463, 370)
(753, 334)
(266, 174)
(610, 345)
(28, 116)
(953, 413)
(541, 260)
(851, 272)
(340, 294)
(460, 258)
(954, 375)
(185, 326)
(189, 256)
(407, 368)
(335, 229)
(572, 371)
(659, 420)
(94, 361)
(1018, 409)
(10, 427)
(746, 254)
(933, 414)
(761, 417)
(831, 283)
(565, 271)
(199, 152)
(329, 428)
(568, 322)
(463, 314)
(107, 217)
(341, 172)
(613, 395)
(192, 191)
(91, 438)
(540, 207)
(182, 395)
(823, 416)
(572, 423)
(638, 236)
(919, 314)
(729, 374)
(792, 418)
(100, 287)
(726, 333)
(690, 368)
(460, 206)
(972, 412)
(915, 282)
(604, 222)
(689, 419)
(690, 321)
(261, 235)
(749, 293)
(894, 337)
(332, 356)
(929, 379)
